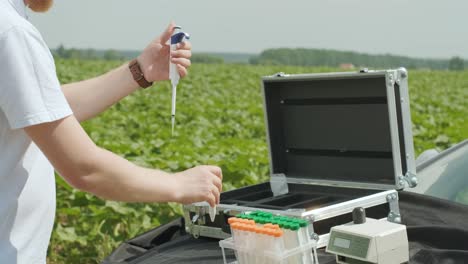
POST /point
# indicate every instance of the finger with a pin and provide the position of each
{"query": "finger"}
(182, 61)
(182, 71)
(181, 54)
(185, 45)
(217, 182)
(211, 199)
(215, 170)
(215, 193)
(166, 35)
(165, 49)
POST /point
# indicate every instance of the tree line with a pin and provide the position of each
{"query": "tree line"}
(335, 58)
(287, 56)
(111, 54)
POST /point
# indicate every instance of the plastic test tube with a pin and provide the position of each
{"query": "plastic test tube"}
(236, 237)
(291, 240)
(240, 236)
(268, 244)
(260, 243)
(300, 241)
(254, 243)
(276, 240)
(304, 238)
(268, 241)
(241, 244)
(278, 243)
(232, 223)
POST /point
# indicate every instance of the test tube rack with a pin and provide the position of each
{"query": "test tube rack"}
(261, 237)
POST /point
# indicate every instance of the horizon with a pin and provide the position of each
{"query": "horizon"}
(417, 29)
(254, 54)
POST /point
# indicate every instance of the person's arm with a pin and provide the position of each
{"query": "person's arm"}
(90, 97)
(92, 169)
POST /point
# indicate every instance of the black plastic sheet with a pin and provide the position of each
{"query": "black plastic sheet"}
(437, 232)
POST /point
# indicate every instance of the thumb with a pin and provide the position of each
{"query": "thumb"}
(166, 35)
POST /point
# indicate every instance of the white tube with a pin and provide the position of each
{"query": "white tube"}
(238, 236)
(304, 239)
(250, 244)
(278, 246)
(262, 248)
(315, 256)
(291, 242)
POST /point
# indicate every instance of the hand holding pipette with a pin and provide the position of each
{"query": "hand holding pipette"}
(156, 58)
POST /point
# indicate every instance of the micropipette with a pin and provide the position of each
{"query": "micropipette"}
(177, 37)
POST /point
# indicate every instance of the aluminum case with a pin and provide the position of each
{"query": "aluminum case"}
(336, 141)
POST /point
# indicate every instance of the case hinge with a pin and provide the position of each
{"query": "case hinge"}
(409, 178)
(394, 214)
(279, 184)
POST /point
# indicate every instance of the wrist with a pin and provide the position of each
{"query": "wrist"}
(174, 192)
(137, 73)
(125, 71)
(145, 62)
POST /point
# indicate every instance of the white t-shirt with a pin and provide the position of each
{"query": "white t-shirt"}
(29, 94)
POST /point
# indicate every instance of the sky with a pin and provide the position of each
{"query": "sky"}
(416, 28)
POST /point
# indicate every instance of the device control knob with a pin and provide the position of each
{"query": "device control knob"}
(359, 215)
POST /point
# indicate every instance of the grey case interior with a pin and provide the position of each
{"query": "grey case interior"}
(333, 129)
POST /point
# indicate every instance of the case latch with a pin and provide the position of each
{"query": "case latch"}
(279, 184)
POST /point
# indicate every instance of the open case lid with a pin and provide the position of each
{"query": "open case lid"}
(344, 129)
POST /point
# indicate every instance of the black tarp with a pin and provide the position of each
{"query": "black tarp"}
(437, 232)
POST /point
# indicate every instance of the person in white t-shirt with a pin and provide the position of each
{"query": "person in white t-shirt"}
(40, 131)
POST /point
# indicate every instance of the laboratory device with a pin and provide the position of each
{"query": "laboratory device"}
(177, 37)
(367, 240)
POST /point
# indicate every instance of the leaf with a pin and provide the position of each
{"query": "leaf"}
(119, 208)
(68, 234)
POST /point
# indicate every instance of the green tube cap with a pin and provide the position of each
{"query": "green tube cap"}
(294, 227)
(303, 223)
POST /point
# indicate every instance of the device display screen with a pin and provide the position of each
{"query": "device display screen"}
(348, 244)
(342, 243)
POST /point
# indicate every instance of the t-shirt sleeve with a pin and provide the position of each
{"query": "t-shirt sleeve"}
(30, 92)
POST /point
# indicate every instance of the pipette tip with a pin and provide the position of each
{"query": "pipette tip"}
(172, 120)
(212, 212)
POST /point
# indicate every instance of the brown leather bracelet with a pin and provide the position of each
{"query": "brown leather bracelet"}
(138, 74)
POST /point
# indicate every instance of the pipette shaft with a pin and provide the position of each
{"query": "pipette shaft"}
(173, 106)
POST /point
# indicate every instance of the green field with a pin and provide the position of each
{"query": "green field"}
(219, 121)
